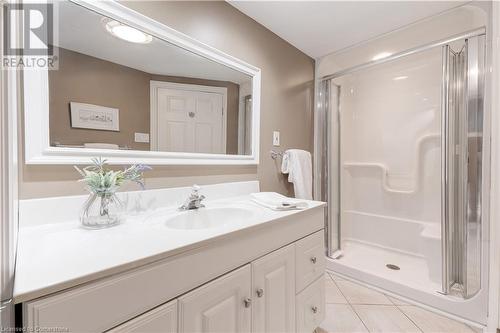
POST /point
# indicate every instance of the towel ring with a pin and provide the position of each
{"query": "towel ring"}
(275, 154)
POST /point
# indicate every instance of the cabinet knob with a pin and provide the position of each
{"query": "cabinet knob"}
(260, 292)
(314, 309)
(248, 302)
(313, 260)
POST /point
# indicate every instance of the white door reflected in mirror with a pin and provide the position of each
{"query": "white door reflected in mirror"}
(190, 118)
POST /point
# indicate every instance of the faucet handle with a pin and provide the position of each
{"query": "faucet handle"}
(195, 192)
(194, 199)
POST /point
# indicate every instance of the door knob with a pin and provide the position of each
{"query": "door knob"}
(314, 309)
(248, 302)
(260, 292)
(313, 260)
(191, 114)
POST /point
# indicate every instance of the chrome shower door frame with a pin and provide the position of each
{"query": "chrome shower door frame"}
(327, 171)
(462, 128)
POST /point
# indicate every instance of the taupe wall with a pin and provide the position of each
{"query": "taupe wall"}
(286, 100)
(85, 79)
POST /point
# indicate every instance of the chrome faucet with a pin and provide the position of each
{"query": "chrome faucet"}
(194, 200)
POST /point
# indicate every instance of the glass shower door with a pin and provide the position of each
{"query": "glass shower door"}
(402, 166)
(390, 169)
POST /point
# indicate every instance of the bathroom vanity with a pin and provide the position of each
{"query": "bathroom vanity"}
(232, 266)
(246, 269)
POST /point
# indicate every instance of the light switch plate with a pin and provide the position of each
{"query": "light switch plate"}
(276, 138)
(141, 137)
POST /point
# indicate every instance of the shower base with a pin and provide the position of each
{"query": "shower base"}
(413, 272)
(367, 263)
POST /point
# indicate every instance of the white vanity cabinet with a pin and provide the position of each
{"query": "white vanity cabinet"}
(263, 292)
(268, 280)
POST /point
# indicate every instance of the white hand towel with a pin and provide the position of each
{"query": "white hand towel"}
(298, 165)
(276, 201)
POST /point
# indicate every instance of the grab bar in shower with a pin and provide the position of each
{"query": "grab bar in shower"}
(385, 170)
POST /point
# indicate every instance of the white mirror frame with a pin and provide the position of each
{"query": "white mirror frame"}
(36, 104)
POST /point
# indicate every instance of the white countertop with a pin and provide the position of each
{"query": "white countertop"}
(53, 257)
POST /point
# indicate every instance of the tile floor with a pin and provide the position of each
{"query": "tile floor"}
(352, 308)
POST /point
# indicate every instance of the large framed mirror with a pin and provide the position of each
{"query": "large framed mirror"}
(130, 89)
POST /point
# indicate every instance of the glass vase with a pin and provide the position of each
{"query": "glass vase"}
(101, 210)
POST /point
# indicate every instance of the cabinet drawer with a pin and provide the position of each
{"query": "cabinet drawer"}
(310, 306)
(310, 259)
(162, 319)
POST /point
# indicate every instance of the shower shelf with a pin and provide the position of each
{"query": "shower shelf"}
(385, 171)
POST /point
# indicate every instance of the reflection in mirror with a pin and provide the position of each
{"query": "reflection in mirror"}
(120, 88)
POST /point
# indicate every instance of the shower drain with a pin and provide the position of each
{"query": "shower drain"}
(393, 267)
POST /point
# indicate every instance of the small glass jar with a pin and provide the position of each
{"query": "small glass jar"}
(101, 210)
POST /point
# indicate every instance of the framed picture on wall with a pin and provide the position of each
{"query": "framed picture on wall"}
(94, 117)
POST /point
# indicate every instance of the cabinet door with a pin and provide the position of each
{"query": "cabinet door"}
(163, 319)
(273, 279)
(222, 306)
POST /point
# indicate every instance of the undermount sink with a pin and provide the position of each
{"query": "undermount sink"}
(206, 218)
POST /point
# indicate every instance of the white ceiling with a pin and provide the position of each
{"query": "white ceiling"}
(81, 30)
(321, 27)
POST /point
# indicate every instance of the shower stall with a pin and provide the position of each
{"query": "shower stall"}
(403, 163)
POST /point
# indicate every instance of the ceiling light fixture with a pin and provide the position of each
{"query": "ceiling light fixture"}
(126, 32)
(399, 78)
(381, 56)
